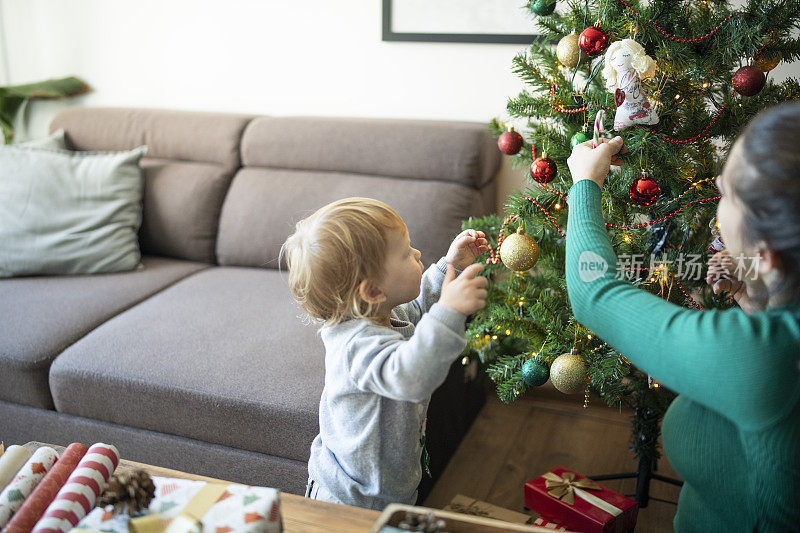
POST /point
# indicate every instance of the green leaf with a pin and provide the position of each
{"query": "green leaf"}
(12, 97)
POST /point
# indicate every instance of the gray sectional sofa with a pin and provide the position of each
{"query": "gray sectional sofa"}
(199, 361)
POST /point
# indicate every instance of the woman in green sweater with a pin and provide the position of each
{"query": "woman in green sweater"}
(733, 433)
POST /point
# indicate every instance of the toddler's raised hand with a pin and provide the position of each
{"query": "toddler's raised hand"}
(465, 293)
(467, 245)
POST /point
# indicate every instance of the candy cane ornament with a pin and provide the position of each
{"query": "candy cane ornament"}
(599, 129)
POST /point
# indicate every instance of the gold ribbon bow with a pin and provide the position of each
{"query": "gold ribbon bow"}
(189, 519)
(563, 487)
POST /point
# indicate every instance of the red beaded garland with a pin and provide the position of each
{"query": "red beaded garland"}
(671, 37)
(556, 192)
(687, 295)
(550, 217)
(760, 50)
(665, 217)
(494, 258)
(691, 139)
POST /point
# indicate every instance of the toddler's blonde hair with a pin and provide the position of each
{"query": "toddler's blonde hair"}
(332, 251)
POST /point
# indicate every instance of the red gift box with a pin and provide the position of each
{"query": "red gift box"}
(541, 522)
(579, 503)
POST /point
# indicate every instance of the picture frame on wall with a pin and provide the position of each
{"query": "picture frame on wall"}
(458, 21)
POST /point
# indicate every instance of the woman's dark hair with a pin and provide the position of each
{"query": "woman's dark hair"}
(767, 182)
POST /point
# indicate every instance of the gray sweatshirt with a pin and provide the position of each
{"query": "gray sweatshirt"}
(378, 381)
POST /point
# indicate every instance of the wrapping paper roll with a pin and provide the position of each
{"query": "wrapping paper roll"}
(26, 480)
(34, 505)
(78, 495)
(11, 462)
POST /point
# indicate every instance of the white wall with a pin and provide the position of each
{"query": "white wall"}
(279, 57)
(317, 57)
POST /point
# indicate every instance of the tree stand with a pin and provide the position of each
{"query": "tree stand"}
(643, 477)
(647, 432)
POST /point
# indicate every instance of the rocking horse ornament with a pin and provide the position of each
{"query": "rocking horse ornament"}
(626, 65)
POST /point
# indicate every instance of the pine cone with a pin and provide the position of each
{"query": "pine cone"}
(128, 492)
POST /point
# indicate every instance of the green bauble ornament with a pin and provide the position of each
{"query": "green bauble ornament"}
(535, 373)
(579, 138)
(543, 7)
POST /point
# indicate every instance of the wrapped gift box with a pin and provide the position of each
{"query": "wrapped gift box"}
(580, 504)
(178, 503)
(471, 506)
(541, 522)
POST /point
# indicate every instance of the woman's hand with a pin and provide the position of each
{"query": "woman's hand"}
(722, 277)
(587, 163)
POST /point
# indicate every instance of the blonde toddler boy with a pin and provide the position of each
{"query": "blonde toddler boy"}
(390, 333)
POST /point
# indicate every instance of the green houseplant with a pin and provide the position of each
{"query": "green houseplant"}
(13, 98)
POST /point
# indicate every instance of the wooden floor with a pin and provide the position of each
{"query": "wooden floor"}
(511, 444)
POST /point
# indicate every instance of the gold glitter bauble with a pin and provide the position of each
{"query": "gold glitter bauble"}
(568, 50)
(519, 251)
(768, 61)
(568, 373)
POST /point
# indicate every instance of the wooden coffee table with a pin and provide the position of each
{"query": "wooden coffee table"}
(300, 515)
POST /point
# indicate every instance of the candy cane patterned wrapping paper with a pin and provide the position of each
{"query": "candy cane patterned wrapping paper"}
(45, 492)
(11, 462)
(78, 495)
(26, 480)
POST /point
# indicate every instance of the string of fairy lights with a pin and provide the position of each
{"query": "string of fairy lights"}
(660, 274)
(494, 257)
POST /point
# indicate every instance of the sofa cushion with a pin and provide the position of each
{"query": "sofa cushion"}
(220, 357)
(182, 202)
(67, 212)
(180, 135)
(44, 315)
(54, 141)
(459, 152)
(263, 205)
(191, 159)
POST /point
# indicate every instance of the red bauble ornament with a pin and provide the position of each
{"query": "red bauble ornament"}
(510, 142)
(543, 170)
(749, 80)
(644, 190)
(593, 40)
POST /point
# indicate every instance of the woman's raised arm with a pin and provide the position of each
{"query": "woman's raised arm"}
(744, 367)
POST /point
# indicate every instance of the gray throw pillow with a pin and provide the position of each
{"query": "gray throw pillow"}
(55, 141)
(67, 212)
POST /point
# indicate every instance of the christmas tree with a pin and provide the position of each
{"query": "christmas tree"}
(678, 80)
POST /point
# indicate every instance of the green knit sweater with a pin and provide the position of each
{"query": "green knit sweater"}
(733, 433)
